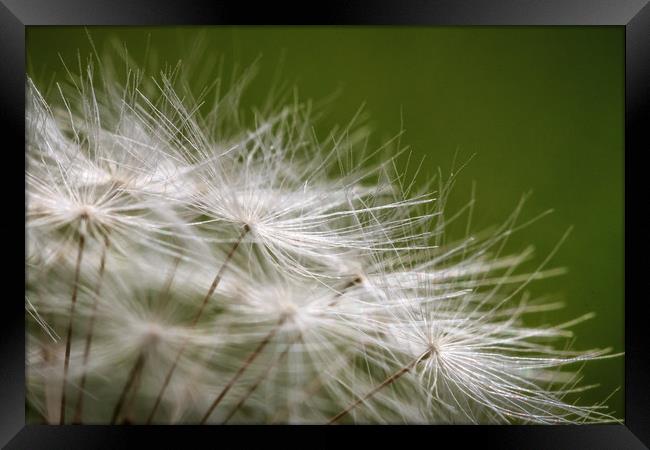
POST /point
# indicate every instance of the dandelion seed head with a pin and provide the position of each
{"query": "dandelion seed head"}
(189, 263)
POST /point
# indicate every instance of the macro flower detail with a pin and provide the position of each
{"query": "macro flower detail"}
(187, 263)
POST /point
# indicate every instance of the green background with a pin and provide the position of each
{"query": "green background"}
(542, 109)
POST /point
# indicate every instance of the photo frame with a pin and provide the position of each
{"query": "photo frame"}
(634, 16)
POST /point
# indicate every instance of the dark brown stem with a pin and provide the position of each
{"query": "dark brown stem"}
(351, 283)
(313, 387)
(164, 295)
(213, 287)
(66, 363)
(283, 355)
(89, 334)
(260, 379)
(247, 362)
(337, 299)
(133, 374)
(129, 404)
(391, 379)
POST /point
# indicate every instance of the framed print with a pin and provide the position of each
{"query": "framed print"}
(382, 219)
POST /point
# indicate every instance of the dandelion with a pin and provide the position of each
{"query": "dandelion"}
(190, 263)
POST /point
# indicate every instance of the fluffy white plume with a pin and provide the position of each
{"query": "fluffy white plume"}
(191, 264)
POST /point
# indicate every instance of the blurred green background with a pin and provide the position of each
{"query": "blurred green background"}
(542, 109)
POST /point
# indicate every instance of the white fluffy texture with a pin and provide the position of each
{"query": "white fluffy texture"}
(254, 274)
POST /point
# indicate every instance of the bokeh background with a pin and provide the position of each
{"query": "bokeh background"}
(540, 108)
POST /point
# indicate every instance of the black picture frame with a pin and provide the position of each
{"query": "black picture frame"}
(634, 15)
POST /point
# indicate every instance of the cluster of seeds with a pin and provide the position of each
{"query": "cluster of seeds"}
(189, 263)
